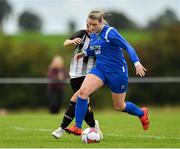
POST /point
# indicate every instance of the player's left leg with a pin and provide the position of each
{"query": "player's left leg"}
(89, 117)
(118, 83)
(67, 118)
(130, 108)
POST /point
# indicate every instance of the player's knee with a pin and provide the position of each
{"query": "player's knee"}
(74, 98)
(84, 92)
(120, 107)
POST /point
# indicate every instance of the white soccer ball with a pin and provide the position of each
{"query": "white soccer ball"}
(90, 135)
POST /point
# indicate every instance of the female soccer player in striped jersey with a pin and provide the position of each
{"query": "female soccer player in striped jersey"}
(78, 70)
(111, 69)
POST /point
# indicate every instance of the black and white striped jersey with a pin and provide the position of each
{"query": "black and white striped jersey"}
(84, 65)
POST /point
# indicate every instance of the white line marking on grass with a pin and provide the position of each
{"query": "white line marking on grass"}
(105, 134)
(142, 136)
(32, 129)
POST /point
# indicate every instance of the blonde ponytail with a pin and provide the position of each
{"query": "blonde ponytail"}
(97, 15)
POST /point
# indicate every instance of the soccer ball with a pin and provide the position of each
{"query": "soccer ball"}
(90, 135)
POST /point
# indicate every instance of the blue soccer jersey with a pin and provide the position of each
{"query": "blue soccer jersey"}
(107, 46)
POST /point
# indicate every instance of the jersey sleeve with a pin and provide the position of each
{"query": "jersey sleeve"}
(116, 39)
(78, 34)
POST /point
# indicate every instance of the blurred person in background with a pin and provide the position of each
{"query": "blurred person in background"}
(111, 69)
(55, 91)
(78, 70)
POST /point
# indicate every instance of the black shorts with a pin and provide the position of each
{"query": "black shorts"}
(76, 83)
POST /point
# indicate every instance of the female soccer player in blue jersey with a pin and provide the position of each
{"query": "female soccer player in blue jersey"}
(111, 70)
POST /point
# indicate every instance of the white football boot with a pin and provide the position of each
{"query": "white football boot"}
(98, 128)
(58, 133)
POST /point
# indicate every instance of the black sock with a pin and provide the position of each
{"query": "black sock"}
(89, 117)
(69, 115)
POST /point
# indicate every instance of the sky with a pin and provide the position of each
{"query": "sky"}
(56, 14)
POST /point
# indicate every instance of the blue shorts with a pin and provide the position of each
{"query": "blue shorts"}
(116, 81)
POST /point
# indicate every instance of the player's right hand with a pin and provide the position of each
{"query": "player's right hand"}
(76, 41)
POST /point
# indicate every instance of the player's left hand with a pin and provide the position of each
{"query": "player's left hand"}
(140, 70)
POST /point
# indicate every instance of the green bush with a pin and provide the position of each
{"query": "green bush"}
(28, 55)
(161, 57)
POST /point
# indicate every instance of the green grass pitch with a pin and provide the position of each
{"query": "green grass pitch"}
(33, 130)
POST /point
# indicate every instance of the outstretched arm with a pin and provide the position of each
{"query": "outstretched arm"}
(115, 38)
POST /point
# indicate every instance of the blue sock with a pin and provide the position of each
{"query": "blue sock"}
(80, 111)
(132, 109)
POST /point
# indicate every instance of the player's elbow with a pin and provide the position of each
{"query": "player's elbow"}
(118, 109)
(65, 43)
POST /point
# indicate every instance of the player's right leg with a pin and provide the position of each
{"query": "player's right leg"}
(91, 83)
(70, 112)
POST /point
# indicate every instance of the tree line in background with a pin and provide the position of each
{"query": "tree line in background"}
(30, 21)
(27, 20)
(28, 55)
